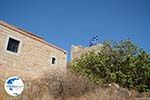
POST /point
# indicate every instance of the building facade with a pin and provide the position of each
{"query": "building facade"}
(25, 54)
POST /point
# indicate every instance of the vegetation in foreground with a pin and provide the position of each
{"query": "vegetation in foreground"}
(122, 63)
(70, 87)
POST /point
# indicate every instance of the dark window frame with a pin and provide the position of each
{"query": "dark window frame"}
(13, 45)
(53, 60)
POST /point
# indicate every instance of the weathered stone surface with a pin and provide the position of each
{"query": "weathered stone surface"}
(77, 51)
(34, 57)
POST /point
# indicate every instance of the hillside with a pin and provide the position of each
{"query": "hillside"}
(71, 87)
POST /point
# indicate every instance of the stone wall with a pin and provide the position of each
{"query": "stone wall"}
(77, 51)
(34, 57)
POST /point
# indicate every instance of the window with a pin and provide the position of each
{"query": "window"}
(13, 45)
(53, 60)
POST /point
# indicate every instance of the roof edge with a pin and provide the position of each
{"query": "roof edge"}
(30, 35)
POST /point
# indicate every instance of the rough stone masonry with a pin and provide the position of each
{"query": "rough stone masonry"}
(78, 50)
(27, 55)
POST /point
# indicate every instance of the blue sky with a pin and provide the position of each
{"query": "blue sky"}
(67, 22)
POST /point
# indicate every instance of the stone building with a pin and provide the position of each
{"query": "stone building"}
(27, 55)
(77, 51)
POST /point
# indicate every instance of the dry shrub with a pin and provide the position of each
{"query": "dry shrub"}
(33, 90)
(76, 85)
(67, 87)
(109, 93)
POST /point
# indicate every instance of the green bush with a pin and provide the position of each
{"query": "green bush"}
(122, 63)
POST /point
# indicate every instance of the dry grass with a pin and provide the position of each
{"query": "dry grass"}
(70, 87)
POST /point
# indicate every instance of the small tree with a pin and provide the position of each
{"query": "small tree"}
(122, 63)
